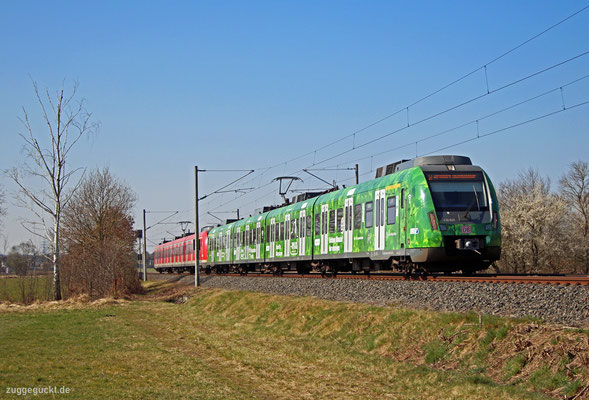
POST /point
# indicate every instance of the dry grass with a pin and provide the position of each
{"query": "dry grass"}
(236, 345)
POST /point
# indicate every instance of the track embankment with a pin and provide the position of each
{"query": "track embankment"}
(560, 304)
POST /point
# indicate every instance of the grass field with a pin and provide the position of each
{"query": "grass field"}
(236, 345)
(26, 289)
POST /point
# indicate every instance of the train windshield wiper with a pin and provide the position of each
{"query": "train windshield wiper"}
(476, 196)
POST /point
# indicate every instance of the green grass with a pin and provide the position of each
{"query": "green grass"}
(238, 345)
(26, 289)
(514, 366)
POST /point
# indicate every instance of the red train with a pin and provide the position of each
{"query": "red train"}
(178, 255)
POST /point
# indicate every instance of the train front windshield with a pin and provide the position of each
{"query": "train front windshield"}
(459, 197)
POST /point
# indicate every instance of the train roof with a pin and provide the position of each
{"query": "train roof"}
(421, 162)
(183, 239)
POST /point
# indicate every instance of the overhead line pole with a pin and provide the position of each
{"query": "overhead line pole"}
(144, 258)
(196, 231)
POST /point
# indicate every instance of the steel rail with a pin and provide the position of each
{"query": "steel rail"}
(564, 280)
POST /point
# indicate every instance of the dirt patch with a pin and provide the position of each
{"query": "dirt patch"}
(171, 290)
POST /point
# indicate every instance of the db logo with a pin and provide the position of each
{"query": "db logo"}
(466, 229)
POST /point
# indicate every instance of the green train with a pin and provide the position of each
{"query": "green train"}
(428, 214)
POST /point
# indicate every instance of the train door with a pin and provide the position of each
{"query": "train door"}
(402, 221)
(272, 237)
(324, 226)
(238, 243)
(247, 242)
(286, 250)
(302, 233)
(228, 245)
(348, 224)
(258, 240)
(379, 231)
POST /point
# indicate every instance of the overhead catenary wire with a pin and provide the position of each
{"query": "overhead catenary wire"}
(584, 103)
(484, 67)
(437, 114)
(431, 94)
(441, 89)
(479, 119)
(454, 107)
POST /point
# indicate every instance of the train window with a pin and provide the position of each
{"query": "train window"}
(340, 215)
(382, 212)
(369, 214)
(332, 221)
(358, 216)
(302, 227)
(377, 204)
(294, 229)
(317, 224)
(282, 230)
(309, 225)
(348, 218)
(402, 198)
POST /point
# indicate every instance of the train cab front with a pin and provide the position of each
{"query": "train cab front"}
(467, 216)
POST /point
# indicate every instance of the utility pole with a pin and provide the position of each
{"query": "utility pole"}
(357, 176)
(144, 248)
(196, 231)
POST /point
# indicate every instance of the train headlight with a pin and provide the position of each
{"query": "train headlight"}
(488, 227)
(443, 227)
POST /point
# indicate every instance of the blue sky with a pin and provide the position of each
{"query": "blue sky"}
(248, 85)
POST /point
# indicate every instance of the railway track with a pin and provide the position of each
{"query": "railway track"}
(513, 279)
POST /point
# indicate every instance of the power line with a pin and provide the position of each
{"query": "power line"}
(452, 108)
(477, 120)
(512, 126)
(406, 108)
(263, 170)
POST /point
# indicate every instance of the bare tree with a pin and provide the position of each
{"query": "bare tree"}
(67, 121)
(574, 187)
(25, 260)
(98, 237)
(2, 209)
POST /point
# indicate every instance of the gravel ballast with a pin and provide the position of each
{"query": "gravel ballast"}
(567, 305)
